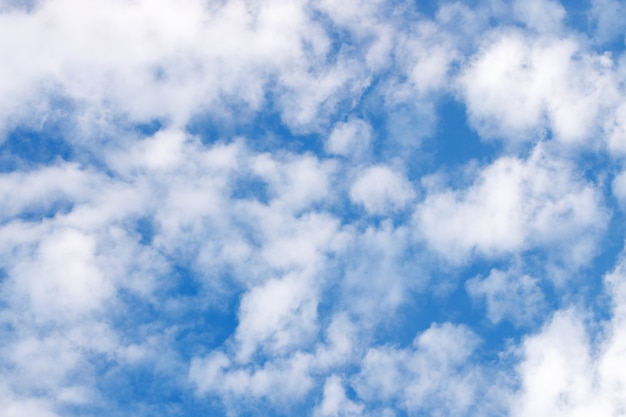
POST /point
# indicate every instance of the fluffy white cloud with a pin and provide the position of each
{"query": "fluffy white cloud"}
(15, 406)
(618, 187)
(282, 382)
(43, 190)
(615, 130)
(371, 25)
(430, 377)
(573, 366)
(335, 402)
(520, 85)
(69, 268)
(381, 190)
(514, 205)
(63, 278)
(557, 375)
(351, 138)
(167, 60)
(115, 259)
(381, 273)
(426, 55)
(605, 14)
(509, 296)
(342, 344)
(279, 315)
(540, 15)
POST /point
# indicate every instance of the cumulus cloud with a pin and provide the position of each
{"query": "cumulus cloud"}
(131, 55)
(335, 402)
(515, 205)
(572, 366)
(282, 382)
(540, 15)
(508, 296)
(42, 191)
(429, 377)
(380, 190)
(557, 373)
(351, 138)
(605, 15)
(519, 86)
(224, 206)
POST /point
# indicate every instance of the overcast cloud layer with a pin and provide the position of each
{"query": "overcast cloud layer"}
(312, 207)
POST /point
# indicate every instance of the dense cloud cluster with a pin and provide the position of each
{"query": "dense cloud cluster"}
(312, 207)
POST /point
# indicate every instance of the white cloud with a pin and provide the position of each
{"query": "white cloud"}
(615, 130)
(381, 273)
(574, 366)
(282, 382)
(381, 190)
(63, 278)
(426, 55)
(71, 265)
(351, 138)
(341, 347)
(540, 15)
(508, 295)
(279, 315)
(170, 60)
(43, 190)
(299, 181)
(518, 85)
(514, 205)
(84, 246)
(163, 150)
(556, 374)
(606, 16)
(429, 378)
(18, 406)
(371, 24)
(613, 351)
(618, 187)
(335, 402)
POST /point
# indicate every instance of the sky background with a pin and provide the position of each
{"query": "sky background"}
(312, 208)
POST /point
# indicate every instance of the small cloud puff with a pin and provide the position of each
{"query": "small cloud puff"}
(381, 190)
(514, 205)
(508, 296)
(351, 138)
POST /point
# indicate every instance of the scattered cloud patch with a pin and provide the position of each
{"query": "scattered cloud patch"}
(233, 207)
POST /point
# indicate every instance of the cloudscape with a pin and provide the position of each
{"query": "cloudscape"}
(312, 208)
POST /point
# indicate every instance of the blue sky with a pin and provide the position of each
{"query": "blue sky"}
(314, 208)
